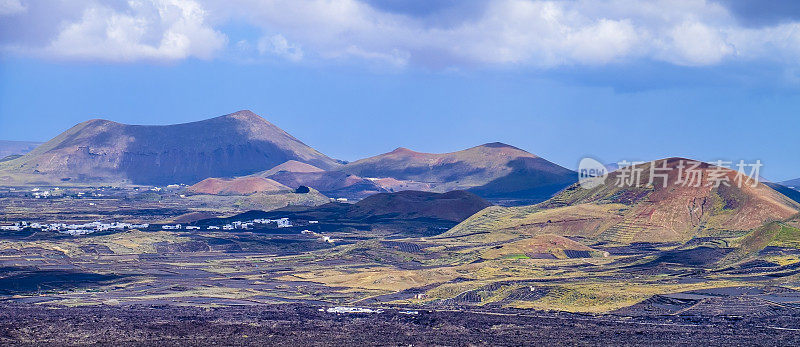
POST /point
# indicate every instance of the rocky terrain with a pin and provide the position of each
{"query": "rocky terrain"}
(504, 275)
(293, 325)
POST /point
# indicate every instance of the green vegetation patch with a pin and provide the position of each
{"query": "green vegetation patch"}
(787, 236)
(515, 256)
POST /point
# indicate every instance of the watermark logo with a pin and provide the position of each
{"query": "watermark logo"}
(591, 173)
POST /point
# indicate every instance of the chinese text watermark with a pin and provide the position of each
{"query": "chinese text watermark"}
(681, 172)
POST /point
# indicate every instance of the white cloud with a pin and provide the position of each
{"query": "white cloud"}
(278, 45)
(145, 30)
(542, 34)
(535, 33)
(517, 32)
(11, 7)
(698, 44)
(604, 42)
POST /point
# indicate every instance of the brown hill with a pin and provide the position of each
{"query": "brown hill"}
(453, 206)
(236, 144)
(335, 184)
(493, 170)
(237, 186)
(644, 213)
(338, 184)
(290, 166)
(680, 207)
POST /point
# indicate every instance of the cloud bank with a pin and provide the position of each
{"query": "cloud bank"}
(428, 33)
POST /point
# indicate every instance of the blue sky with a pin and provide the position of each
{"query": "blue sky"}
(563, 79)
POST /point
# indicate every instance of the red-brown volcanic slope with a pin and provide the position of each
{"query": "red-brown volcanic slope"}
(338, 184)
(494, 170)
(335, 184)
(236, 186)
(679, 212)
(290, 166)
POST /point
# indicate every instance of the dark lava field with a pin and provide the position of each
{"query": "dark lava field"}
(297, 325)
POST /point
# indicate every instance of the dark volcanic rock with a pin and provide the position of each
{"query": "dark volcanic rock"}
(300, 325)
(454, 206)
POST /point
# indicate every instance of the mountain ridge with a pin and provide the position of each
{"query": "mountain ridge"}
(235, 144)
(8, 147)
(491, 170)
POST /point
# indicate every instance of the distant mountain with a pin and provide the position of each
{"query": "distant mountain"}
(644, 213)
(290, 166)
(611, 167)
(236, 144)
(9, 148)
(493, 170)
(790, 193)
(794, 184)
(237, 186)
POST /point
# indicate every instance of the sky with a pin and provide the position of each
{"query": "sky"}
(613, 80)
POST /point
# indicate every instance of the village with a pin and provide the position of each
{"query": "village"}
(97, 226)
(238, 225)
(73, 229)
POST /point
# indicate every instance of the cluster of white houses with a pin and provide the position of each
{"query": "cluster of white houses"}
(342, 309)
(74, 229)
(88, 228)
(238, 225)
(57, 192)
(356, 310)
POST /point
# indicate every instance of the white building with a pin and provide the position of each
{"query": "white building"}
(341, 309)
(283, 223)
